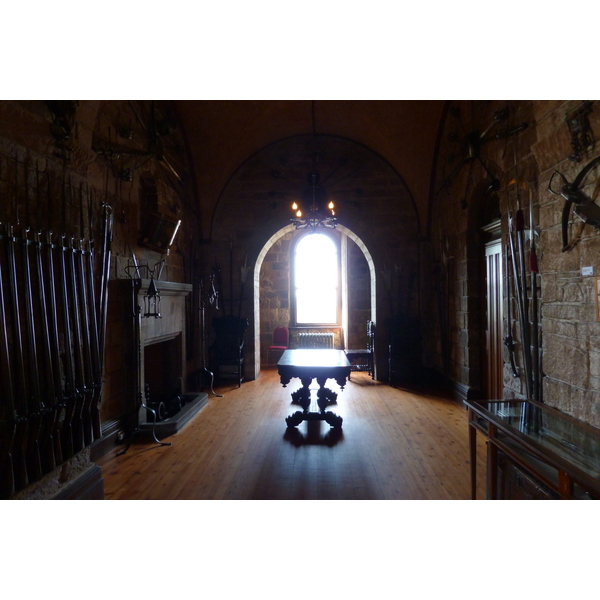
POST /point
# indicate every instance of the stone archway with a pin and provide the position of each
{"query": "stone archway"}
(372, 202)
(346, 234)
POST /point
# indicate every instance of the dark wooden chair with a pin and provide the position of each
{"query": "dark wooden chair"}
(281, 337)
(227, 351)
(361, 359)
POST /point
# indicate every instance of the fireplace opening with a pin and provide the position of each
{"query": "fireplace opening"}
(164, 393)
(163, 378)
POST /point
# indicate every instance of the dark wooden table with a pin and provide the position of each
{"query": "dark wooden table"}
(314, 364)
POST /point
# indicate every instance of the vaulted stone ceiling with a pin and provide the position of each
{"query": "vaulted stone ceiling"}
(222, 135)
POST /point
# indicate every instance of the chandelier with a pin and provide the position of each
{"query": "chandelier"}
(314, 197)
(313, 210)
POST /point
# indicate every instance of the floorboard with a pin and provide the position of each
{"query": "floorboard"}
(395, 444)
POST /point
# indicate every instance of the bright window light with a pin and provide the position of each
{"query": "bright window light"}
(316, 279)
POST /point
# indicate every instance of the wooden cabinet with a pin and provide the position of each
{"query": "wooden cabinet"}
(517, 483)
(534, 452)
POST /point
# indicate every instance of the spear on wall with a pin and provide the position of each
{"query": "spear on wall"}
(533, 268)
(521, 290)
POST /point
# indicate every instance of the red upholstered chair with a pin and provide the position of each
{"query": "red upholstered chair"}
(280, 342)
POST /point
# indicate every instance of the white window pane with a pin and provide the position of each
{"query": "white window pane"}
(315, 279)
(316, 305)
(322, 270)
(316, 261)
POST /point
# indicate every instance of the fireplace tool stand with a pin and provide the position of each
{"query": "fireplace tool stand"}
(137, 431)
(213, 299)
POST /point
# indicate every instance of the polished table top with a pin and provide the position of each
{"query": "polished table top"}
(303, 357)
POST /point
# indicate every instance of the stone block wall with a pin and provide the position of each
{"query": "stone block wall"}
(452, 269)
(359, 297)
(571, 339)
(274, 293)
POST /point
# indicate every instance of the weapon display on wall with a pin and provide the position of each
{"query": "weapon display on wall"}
(35, 404)
(535, 342)
(582, 136)
(508, 340)
(19, 377)
(470, 140)
(7, 406)
(516, 229)
(55, 371)
(584, 206)
(49, 449)
(50, 328)
(522, 272)
(72, 438)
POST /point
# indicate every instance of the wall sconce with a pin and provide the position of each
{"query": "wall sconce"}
(151, 297)
(152, 300)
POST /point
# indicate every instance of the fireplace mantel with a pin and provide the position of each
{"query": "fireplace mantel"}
(167, 288)
(172, 320)
(141, 333)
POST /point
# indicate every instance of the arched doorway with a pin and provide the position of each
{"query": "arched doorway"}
(275, 310)
(374, 209)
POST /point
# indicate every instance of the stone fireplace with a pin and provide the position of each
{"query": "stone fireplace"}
(157, 347)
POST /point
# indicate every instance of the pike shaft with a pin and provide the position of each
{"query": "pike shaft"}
(20, 390)
(7, 407)
(523, 325)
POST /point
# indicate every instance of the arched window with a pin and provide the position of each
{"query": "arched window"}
(316, 281)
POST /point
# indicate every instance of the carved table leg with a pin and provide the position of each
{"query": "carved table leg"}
(325, 397)
(302, 397)
(333, 419)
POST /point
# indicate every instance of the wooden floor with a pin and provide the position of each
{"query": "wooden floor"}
(394, 445)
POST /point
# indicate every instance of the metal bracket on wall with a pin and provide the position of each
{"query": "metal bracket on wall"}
(582, 136)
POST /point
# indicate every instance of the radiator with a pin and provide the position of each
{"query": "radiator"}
(315, 340)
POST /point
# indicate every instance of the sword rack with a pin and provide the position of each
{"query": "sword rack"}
(54, 260)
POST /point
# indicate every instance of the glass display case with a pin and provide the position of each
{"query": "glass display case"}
(534, 451)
